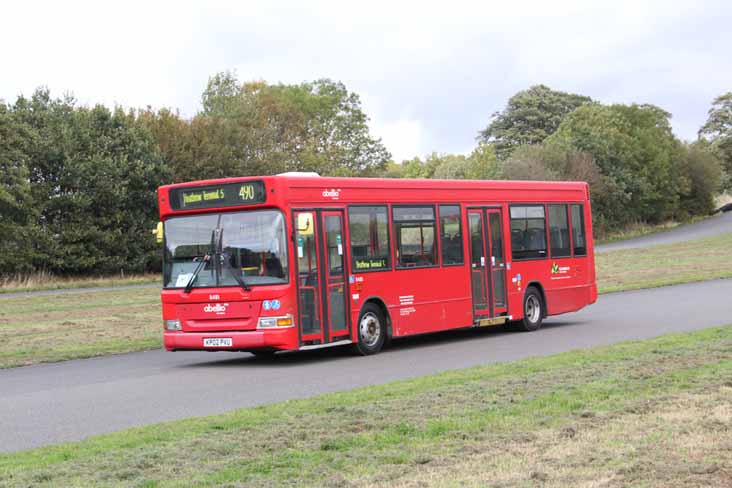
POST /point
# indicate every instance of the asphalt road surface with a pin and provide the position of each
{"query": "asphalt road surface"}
(68, 401)
(713, 226)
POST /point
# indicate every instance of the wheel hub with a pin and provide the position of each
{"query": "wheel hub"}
(369, 329)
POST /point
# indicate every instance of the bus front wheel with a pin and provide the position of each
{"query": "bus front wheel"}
(371, 330)
(533, 310)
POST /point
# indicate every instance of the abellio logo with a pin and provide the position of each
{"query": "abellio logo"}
(333, 193)
(218, 308)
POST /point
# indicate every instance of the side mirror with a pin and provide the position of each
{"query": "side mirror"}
(305, 224)
(158, 233)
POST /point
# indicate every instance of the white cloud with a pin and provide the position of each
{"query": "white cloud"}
(432, 72)
(402, 137)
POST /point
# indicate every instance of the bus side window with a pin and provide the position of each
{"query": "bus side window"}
(414, 228)
(528, 231)
(369, 231)
(578, 230)
(451, 236)
(559, 231)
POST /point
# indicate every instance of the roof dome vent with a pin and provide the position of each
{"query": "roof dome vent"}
(298, 173)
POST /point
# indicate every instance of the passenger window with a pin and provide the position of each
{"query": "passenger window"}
(414, 228)
(578, 231)
(528, 232)
(559, 231)
(451, 236)
(369, 232)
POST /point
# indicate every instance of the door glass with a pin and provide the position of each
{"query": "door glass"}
(335, 278)
(477, 263)
(498, 263)
(307, 267)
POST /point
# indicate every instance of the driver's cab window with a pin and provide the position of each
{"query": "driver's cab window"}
(307, 259)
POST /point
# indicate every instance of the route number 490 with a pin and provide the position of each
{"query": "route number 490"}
(246, 192)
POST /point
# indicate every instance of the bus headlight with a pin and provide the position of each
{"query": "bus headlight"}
(275, 322)
(173, 325)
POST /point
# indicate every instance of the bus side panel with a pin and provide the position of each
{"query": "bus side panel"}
(431, 299)
(418, 300)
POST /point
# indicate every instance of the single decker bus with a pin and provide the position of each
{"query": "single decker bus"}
(298, 261)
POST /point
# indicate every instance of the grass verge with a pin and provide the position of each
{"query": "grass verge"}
(635, 230)
(38, 329)
(46, 281)
(646, 413)
(668, 264)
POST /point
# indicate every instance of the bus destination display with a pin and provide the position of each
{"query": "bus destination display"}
(224, 195)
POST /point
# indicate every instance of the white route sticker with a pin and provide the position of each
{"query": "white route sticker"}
(183, 279)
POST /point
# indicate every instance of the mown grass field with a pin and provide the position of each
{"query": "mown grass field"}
(670, 264)
(647, 413)
(47, 328)
(36, 329)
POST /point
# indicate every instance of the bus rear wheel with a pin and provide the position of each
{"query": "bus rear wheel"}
(533, 310)
(371, 330)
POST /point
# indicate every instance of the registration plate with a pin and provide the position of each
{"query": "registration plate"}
(217, 342)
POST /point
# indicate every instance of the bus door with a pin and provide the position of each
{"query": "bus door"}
(497, 261)
(479, 277)
(487, 262)
(321, 283)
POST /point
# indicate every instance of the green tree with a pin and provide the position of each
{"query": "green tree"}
(530, 117)
(703, 170)
(638, 155)
(18, 215)
(257, 128)
(94, 175)
(718, 131)
(480, 164)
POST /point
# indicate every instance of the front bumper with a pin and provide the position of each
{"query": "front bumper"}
(284, 339)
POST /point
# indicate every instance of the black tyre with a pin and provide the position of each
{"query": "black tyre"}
(264, 353)
(533, 310)
(371, 330)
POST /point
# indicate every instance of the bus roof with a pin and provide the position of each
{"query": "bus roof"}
(307, 190)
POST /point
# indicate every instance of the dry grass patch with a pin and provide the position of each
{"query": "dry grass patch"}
(678, 441)
(43, 280)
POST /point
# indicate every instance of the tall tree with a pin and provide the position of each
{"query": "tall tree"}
(703, 172)
(18, 214)
(257, 128)
(530, 117)
(637, 153)
(718, 131)
(94, 174)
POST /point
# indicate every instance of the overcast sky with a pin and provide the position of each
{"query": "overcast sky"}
(429, 75)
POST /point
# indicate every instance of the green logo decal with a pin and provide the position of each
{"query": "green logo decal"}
(555, 268)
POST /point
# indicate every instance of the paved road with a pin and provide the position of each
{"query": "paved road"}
(47, 404)
(713, 226)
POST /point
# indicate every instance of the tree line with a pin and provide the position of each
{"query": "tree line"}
(77, 184)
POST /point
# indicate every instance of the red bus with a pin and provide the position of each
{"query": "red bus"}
(297, 261)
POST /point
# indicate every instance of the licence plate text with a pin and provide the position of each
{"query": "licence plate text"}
(217, 342)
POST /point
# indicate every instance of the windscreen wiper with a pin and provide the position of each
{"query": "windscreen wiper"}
(220, 259)
(202, 263)
(198, 269)
(238, 278)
